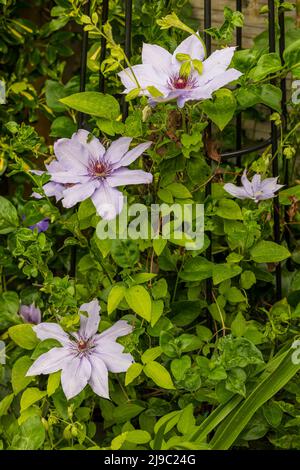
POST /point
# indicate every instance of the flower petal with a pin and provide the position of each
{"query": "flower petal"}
(236, 191)
(120, 328)
(157, 57)
(75, 375)
(246, 184)
(224, 79)
(255, 183)
(193, 46)
(89, 325)
(199, 93)
(99, 376)
(146, 75)
(108, 201)
(133, 154)
(69, 177)
(123, 176)
(217, 62)
(90, 142)
(54, 189)
(72, 155)
(50, 362)
(51, 331)
(79, 192)
(112, 355)
(117, 149)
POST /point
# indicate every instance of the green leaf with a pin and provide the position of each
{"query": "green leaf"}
(31, 396)
(151, 354)
(54, 92)
(159, 245)
(179, 191)
(9, 219)
(291, 54)
(180, 366)
(267, 386)
(238, 352)
(247, 279)
(186, 311)
(239, 325)
(197, 269)
(267, 64)
(5, 404)
(115, 296)
(23, 336)
(18, 375)
(126, 412)
(269, 252)
(94, 103)
(141, 278)
(221, 272)
(156, 311)
(9, 308)
(30, 435)
(159, 375)
(125, 252)
(186, 421)
(118, 441)
(234, 295)
(229, 209)
(139, 301)
(133, 372)
(87, 214)
(138, 437)
(62, 126)
(221, 108)
(53, 382)
(154, 91)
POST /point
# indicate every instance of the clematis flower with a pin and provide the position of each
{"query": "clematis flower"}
(85, 169)
(257, 189)
(162, 70)
(84, 357)
(42, 225)
(30, 314)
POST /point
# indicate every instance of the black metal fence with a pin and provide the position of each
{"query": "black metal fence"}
(240, 151)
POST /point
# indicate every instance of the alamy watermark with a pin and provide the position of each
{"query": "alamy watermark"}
(2, 92)
(296, 91)
(296, 353)
(181, 223)
(2, 353)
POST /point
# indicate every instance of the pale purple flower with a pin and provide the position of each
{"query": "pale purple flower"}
(85, 357)
(30, 314)
(161, 70)
(42, 225)
(85, 169)
(257, 189)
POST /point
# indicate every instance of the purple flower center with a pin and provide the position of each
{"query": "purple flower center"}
(82, 347)
(99, 169)
(179, 82)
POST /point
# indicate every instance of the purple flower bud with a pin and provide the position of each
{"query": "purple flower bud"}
(30, 314)
(42, 225)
